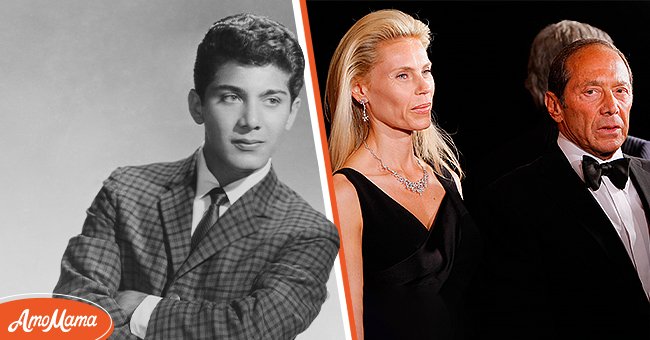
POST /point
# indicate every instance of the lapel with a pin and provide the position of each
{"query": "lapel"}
(245, 217)
(640, 177)
(175, 208)
(575, 204)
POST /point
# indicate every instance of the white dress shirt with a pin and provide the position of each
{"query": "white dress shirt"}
(205, 181)
(623, 208)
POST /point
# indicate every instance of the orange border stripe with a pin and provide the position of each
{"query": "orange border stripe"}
(328, 166)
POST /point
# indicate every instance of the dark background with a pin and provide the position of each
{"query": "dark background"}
(480, 54)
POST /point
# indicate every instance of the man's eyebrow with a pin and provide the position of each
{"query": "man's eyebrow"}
(239, 90)
(270, 92)
(625, 83)
(230, 88)
(592, 83)
(599, 83)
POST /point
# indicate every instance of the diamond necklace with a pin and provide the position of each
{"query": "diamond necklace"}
(417, 186)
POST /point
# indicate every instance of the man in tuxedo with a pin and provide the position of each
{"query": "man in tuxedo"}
(213, 246)
(568, 244)
(546, 45)
(532, 140)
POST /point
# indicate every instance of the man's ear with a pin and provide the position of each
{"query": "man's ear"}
(554, 106)
(195, 106)
(295, 107)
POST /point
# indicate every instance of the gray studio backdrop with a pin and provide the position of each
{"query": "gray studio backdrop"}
(87, 86)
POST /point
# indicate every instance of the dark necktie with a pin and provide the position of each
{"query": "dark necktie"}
(617, 171)
(218, 198)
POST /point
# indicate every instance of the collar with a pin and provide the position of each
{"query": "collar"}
(205, 180)
(574, 154)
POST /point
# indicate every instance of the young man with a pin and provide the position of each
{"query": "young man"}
(212, 246)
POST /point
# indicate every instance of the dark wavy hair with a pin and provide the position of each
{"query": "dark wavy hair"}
(248, 39)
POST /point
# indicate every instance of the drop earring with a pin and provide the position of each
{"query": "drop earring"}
(364, 115)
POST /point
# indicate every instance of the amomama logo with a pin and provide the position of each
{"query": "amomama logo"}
(53, 318)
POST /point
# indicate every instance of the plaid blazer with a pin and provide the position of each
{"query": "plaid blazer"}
(260, 272)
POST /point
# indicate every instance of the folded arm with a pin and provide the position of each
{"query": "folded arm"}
(91, 265)
(284, 300)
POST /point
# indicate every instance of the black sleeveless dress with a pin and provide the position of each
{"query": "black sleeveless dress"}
(414, 277)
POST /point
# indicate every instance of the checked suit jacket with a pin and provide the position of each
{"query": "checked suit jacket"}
(259, 273)
(556, 268)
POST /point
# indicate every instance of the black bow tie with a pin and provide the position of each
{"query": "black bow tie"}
(617, 171)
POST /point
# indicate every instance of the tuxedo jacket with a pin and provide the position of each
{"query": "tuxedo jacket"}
(555, 266)
(636, 147)
(259, 273)
(524, 148)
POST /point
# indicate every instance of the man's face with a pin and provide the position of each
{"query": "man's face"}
(245, 111)
(598, 99)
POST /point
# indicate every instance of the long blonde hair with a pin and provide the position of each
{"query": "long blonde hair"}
(354, 57)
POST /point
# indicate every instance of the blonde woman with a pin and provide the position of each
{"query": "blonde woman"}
(409, 244)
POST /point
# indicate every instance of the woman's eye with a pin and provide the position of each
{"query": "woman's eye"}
(402, 76)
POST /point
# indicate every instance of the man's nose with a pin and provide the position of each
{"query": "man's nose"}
(250, 118)
(610, 104)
